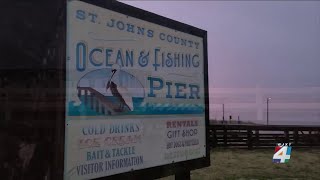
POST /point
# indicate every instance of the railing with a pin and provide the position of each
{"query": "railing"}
(97, 101)
(254, 136)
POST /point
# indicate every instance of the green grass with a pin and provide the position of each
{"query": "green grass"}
(257, 164)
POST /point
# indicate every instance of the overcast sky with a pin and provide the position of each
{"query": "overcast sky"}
(270, 44)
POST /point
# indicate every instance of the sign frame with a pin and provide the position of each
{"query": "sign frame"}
(178, 168)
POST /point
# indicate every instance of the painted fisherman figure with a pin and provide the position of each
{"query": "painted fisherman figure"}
(120, 93)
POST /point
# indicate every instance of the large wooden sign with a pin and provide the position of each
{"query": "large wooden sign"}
(135, 91)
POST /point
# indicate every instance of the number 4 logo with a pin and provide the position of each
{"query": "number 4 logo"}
(282, 154)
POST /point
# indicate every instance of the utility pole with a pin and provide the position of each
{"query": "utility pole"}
(222, 113)
(268, 110)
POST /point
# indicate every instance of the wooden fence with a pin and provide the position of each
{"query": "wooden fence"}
(255, 136)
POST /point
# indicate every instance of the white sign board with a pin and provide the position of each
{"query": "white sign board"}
(135, 94)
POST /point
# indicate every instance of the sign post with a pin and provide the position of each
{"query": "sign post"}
(136, 93)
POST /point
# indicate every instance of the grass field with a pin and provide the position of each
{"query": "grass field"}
(257, 164)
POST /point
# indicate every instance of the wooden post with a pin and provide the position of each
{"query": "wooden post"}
(286, 135)
(257, 140)
(225, 136)
(296, 137)
(249, 141)
(215, 138)
(310, 140)
(182, 175)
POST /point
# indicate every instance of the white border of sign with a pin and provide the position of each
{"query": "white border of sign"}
(85, 25)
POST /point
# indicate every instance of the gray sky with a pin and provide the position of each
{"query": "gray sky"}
(270, 44)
